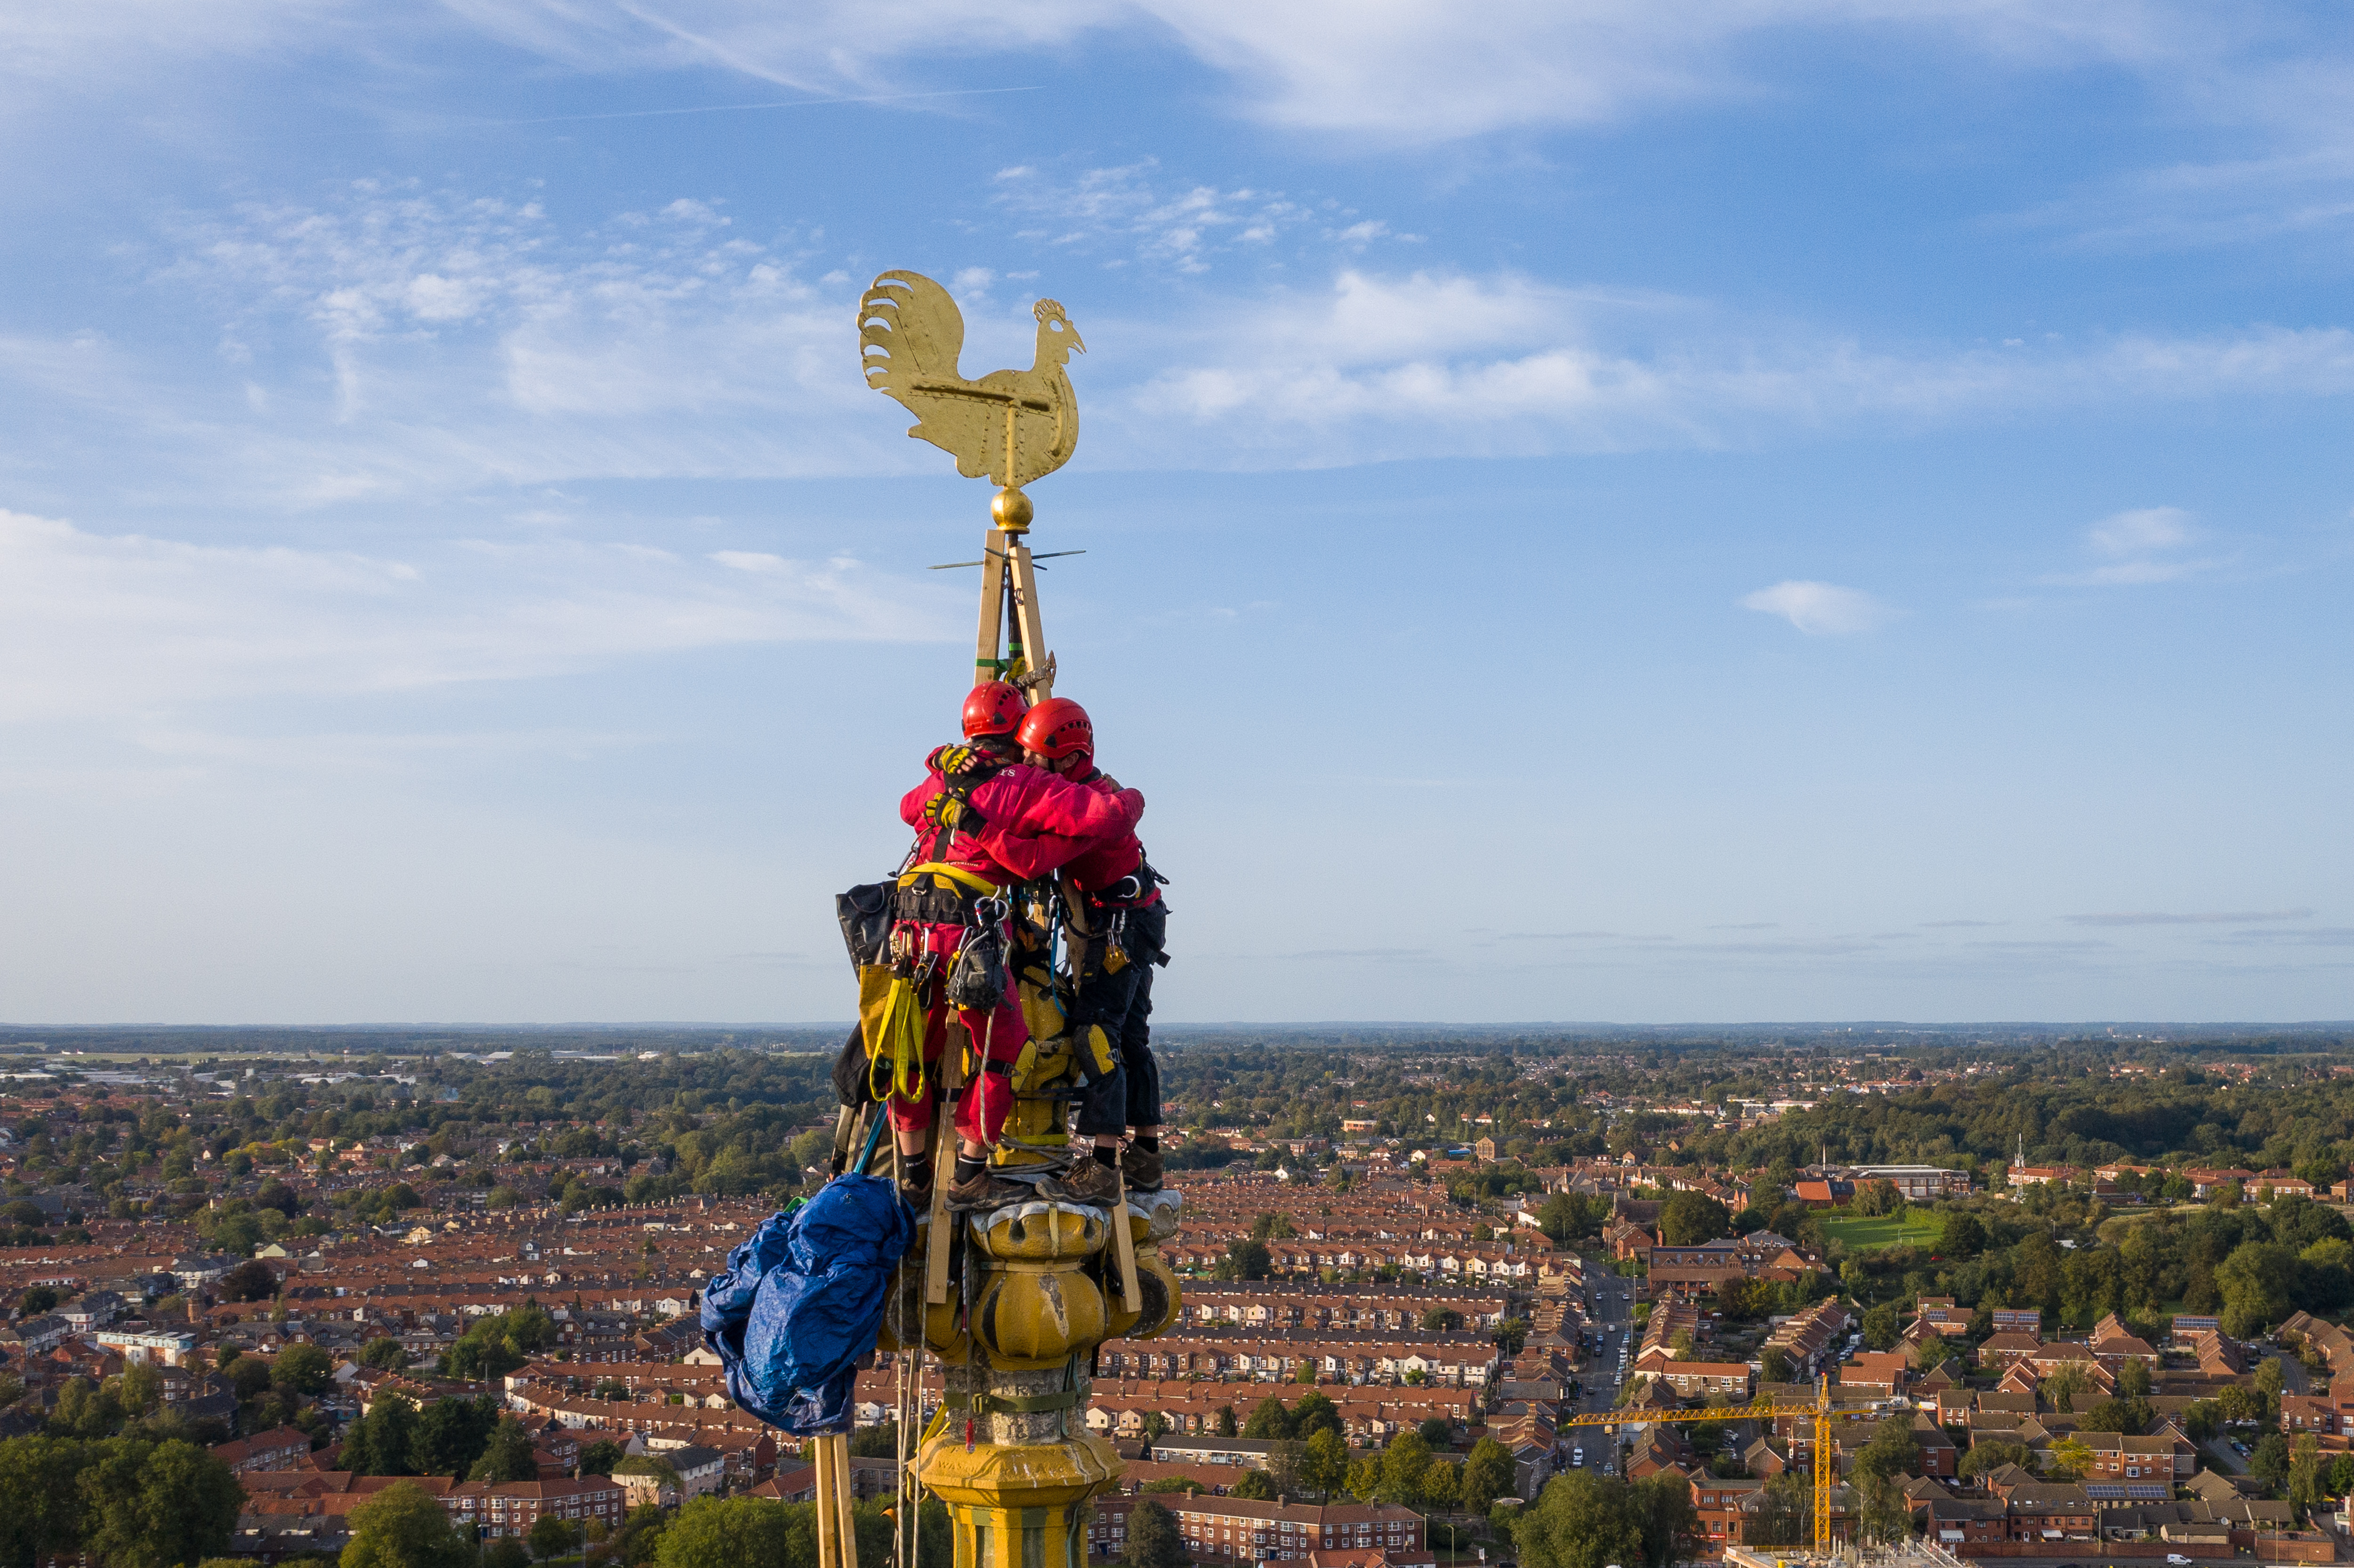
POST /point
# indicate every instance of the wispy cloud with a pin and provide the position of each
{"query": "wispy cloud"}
(1820, 609)
(1129, 212)
(93, 626)
(2138, 546)
(2239, 917)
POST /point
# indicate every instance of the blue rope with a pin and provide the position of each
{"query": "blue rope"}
(874, 1137)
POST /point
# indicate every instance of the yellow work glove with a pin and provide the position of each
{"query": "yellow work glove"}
(946, 811)
(963, 765)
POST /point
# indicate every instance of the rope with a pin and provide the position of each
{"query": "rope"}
(874, 1136)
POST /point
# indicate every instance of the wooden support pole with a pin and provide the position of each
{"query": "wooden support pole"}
(1126, 1288)
(1034, 630)
(952, 1080)
(828, 1550)
(987, 651)
(845, 1523)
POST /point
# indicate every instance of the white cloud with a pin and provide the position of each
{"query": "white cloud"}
(1409, 70)
(1127, 208)
(93, 625)
(2137, 533)
(1820, 609)
(1433, 364)
(2139, 546)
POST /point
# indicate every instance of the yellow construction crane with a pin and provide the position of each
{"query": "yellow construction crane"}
(1826, 1473)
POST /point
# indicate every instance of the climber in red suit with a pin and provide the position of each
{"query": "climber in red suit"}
(1115, 895)
(981, 810)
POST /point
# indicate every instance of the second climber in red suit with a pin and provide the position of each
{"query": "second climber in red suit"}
(982, 811)
(1118, 896)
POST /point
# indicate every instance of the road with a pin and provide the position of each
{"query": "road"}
(1613, 1300)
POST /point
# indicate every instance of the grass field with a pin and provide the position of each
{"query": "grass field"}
(1869, 1234)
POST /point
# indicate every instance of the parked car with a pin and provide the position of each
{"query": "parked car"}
(2175, 1560)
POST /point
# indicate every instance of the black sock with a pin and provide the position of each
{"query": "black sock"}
(967, 1168)
(1107, 1155)
(917, 1170)
(1150, 1145)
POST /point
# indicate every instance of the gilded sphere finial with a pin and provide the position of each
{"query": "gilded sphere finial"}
(1012, 511)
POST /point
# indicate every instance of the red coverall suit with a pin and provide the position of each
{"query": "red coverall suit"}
(1035, 824)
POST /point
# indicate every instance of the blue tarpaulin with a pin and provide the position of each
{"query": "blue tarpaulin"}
(799, 1303)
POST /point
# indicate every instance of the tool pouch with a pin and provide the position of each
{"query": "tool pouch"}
(866, 915)
(977, 980)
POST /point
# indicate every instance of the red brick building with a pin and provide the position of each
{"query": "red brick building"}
(279, 1448)
(512, 1508)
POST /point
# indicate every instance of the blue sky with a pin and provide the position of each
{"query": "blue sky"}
(1791, 509)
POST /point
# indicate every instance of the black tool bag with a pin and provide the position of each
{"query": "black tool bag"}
(866, 915)
(978, 980)
(850, 1071)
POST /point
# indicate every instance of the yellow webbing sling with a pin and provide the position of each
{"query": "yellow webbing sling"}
(890, 1011)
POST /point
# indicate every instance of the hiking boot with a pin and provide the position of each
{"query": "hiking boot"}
(916, 1195)
(985, 1192)
(1142, 1166)
(1090, 1182)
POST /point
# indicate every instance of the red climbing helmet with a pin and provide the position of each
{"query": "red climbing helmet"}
(1056, 728)
(993, 707)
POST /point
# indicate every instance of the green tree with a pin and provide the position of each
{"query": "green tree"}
(506, 1551)
(1441, 1319)
(1689, 1218)
(1227, 1427)
(507, 1456)
(40, 1504)
(1890, 1451)
(1984, 1456)
(1886, 1511)
(404, 1526)
(1664, 1512)
(1580, 1520)
(37, 1299)
(1880, 1328)
(1442, 1485)
(157, 1505)
(552, 1536)
(2070, 1457)
(1324, 1462)
(2304, 1472)
(1366, 1477)
(1153, 1541)
(2269, 1463)
(1402, 1464)
(383, 1442)
(1773, 1364)
(1269, 1421)
(600, 1457)
(2062, 1387)
(1784, 1511)
(1245, 1260)
(2134, 1380)
(385, 1353)
(451, 1435)
(303, 1368)
(1487, 1474)
(1255, 1486)
(1316, 1413)
(713, 1532)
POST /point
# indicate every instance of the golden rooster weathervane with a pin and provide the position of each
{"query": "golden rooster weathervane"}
(1013, 426)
